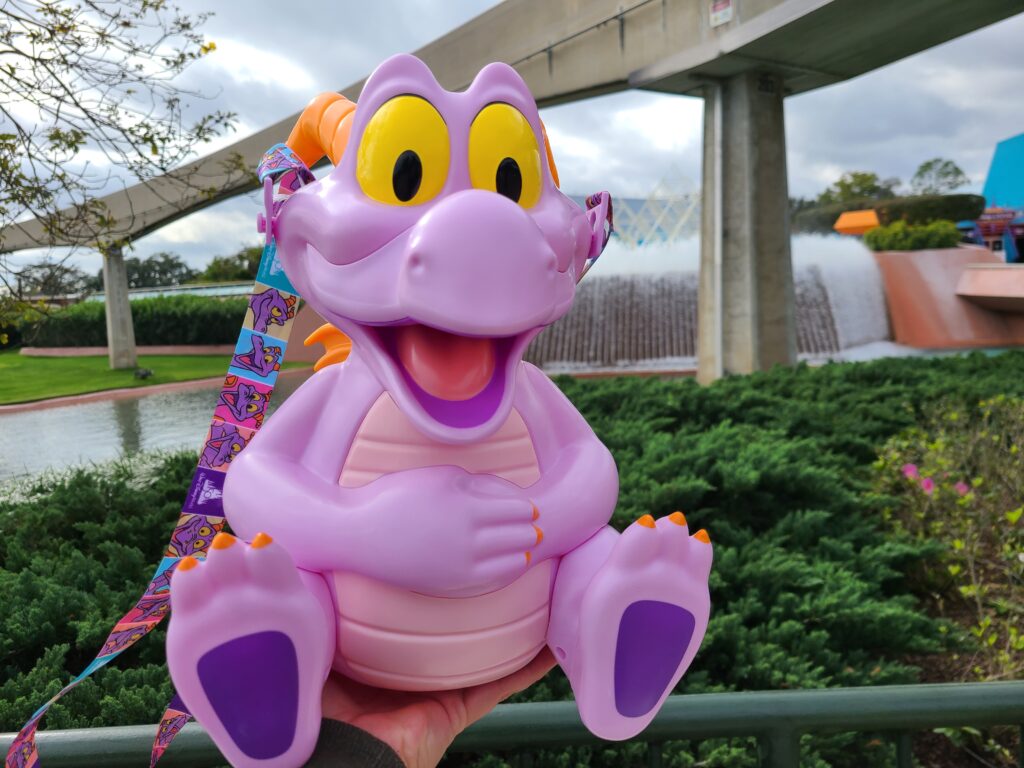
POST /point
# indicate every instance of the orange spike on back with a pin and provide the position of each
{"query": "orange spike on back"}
(551, 157)
(337, 345)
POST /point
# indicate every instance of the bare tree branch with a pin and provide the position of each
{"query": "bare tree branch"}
(82, 78)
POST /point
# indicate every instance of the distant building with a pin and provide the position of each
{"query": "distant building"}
(212, 290)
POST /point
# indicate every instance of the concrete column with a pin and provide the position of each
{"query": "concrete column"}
(120, 332)
(745, 300)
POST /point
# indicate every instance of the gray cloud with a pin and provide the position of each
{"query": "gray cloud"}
(956, 100)
(953, 101)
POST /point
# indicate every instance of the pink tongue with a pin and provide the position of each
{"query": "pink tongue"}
(445, 365)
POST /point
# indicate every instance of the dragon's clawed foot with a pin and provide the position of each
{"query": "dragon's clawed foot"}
(248, 648)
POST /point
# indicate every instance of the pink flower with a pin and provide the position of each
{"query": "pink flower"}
(962, 488)
(928, 485)
(910, 471)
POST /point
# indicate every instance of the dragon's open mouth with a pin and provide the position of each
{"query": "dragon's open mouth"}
(459, 380)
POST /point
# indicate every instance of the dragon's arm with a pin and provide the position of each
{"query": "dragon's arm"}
(285, 482)
(579, 484)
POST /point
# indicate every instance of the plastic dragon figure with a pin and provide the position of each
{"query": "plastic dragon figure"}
(433, 511)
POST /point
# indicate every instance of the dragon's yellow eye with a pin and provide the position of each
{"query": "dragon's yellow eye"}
(404, 153)
(503, 154)
(275, 311)
(252, 407)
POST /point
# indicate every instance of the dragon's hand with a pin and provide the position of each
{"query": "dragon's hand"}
(444, 531)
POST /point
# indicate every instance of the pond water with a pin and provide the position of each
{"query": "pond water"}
(56, 438)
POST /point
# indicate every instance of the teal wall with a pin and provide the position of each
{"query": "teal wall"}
(1004, 186)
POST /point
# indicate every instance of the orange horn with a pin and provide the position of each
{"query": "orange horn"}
(323, 129)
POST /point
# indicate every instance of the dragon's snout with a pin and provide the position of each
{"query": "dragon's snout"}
(477, 263)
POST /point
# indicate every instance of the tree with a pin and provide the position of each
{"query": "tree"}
(160, 269)
(798, 204)
(46, 279)
(857, 185)
(227, 269)
(86, 79)
(938, 177)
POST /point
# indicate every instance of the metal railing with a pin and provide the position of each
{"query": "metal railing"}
(777, 719)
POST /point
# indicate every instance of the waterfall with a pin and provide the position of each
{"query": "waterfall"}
(637, 309)
(853, 284)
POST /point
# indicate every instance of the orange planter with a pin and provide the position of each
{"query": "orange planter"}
(925, 310)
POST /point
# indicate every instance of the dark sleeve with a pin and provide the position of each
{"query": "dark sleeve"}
(344, 746)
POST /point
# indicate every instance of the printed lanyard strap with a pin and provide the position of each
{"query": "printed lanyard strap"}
(239, 413)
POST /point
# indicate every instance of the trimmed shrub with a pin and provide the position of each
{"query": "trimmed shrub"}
(919, 209)
(821, 218)
(158, 320)
(924, 209)
(900, 236)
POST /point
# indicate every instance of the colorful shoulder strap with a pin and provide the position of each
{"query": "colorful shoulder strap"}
(239, 413)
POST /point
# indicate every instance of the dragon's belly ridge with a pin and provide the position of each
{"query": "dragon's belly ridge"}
(393, 638)
(388, 442)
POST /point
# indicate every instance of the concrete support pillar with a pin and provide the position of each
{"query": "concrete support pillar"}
(745, 300)
(120, 332)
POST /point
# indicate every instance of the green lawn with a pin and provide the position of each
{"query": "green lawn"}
(23, 379)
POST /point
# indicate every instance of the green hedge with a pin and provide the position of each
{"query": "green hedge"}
(821, 218)
(923, 209)
(159, 320)
(900, 236)
(918, 209)
(809, 587)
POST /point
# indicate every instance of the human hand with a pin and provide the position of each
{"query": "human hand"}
(421, 726)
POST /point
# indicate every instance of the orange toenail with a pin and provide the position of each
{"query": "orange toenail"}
(187, 563)
(536, 514)
(222, 540)
(702, 535)
(678, 518)
(540, 534)
(261, 540)
(646, 521)
(529, 557)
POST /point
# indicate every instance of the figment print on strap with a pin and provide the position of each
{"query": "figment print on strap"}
(239, 412)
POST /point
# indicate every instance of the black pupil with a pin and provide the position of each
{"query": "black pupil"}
(406, 177)
(509, 179)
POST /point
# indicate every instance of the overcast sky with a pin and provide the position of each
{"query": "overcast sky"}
(954, 101)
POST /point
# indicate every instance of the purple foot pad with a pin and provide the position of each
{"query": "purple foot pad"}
(253, 684)
(653, 637)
